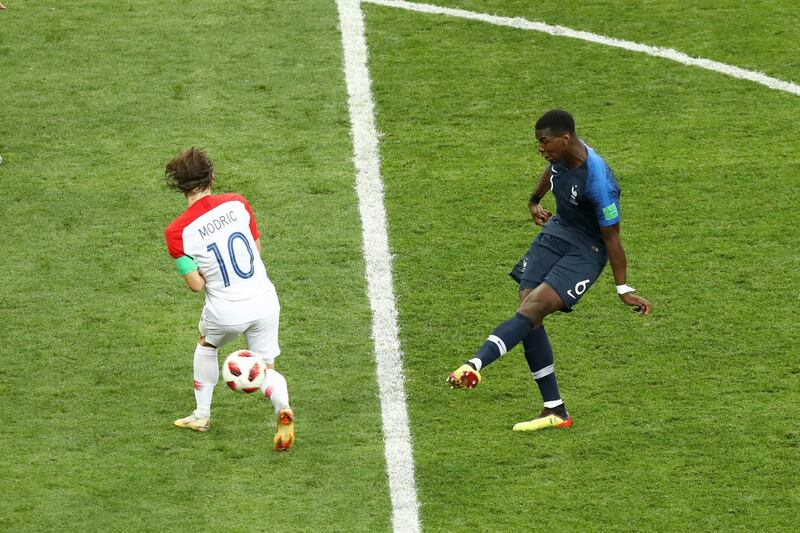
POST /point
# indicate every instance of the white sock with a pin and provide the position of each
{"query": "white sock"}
(276, 389)
(553, 403)
(206, 376)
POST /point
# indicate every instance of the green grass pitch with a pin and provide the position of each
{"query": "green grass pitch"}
(685, 421)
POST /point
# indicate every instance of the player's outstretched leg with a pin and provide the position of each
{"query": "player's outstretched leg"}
(503, 338)
(276, 389)
(539, 355)
(535, 304)
(206, 376)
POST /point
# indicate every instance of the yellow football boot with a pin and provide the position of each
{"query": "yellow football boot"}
(284, 432)
(464, 377)
(192, 422)
(548, 418)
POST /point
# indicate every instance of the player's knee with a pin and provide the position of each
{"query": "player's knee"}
(532, 309)
(202, 341)
(523, 293)
(539, 303)
(535, 308)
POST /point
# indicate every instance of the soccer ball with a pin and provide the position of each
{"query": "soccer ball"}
(244, 371)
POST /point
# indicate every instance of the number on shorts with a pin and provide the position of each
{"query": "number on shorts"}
(580, 288)
(236, 268)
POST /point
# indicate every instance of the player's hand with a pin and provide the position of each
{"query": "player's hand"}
(642, 306)
(540, 214)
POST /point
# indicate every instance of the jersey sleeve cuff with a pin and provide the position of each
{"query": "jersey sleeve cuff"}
(186, 265)
(607, 223)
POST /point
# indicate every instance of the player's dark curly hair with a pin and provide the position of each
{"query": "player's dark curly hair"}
(191, 170)
(557, 121)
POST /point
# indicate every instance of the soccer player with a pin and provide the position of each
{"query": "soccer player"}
(564, 260)
(216, 247)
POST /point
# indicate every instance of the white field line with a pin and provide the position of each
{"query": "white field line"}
(561, 31)
(378, 258)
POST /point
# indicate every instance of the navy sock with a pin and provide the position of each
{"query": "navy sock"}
(503, 338)
(539, 355)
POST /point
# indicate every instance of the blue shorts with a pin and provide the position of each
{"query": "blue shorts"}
(569, 269)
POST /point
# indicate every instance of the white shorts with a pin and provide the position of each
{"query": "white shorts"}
(261, 335)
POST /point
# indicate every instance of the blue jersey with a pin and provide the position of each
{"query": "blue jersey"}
(587, 198)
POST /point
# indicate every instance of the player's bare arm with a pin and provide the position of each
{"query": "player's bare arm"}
(195, 281)
(540, 214)
(619, 267)
(258, 244)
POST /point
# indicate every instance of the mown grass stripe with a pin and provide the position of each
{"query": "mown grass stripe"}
(388, 355)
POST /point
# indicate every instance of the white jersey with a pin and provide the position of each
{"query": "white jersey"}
(218, 232)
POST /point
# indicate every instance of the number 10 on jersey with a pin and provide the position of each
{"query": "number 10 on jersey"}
(232, 255)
